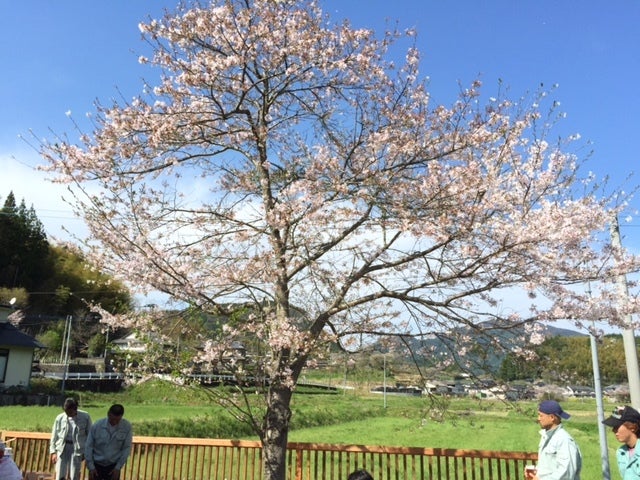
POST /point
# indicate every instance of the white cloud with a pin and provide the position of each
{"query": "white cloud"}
(20, 176)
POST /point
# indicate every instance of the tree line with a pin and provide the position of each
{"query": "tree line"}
(51, 281)
(552, 364)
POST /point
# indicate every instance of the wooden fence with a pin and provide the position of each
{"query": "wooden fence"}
(168, 458)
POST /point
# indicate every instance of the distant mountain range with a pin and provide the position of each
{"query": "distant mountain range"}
(552, 331)
(481, 356)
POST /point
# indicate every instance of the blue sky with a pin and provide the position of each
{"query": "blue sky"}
(60, 56)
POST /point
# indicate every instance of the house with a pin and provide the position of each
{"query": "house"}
(16, 353)
(131, 343)
(136, 342)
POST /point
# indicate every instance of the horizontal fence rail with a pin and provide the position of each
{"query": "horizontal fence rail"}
(82, 375)
(169, 458)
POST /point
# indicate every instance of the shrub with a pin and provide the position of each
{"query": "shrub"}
(46, 386)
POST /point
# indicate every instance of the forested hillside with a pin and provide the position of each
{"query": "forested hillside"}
(50, 282)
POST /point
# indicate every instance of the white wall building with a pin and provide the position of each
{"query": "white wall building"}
(16, 353)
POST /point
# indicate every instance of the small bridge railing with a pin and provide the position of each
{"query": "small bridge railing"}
(169, 458)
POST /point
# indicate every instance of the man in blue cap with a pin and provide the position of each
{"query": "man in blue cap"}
(559, 457)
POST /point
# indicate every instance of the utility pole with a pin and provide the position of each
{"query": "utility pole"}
(64, 339)
(597, 384)
(604, 450)
(384, 379)
(66, 351)
(628, 336)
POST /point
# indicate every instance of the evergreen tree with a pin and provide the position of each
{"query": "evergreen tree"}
(24, 249)
(8, 242)
(515, 367)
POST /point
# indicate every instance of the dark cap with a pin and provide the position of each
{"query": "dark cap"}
(551, 407)
(621, 415)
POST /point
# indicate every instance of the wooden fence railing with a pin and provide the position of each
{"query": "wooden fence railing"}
(168, 458)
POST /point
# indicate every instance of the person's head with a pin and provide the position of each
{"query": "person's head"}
(70, 407)
(115, 413)
(625, 422)
(550, 414)
(360, 475)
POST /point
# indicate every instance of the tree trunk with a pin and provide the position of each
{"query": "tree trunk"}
(276, 433)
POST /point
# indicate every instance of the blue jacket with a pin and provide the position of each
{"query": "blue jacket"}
(559, 457)
(629, 467)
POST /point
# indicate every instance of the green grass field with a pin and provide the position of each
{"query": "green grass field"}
(345, 418)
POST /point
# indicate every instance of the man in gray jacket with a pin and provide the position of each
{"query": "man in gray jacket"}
(108, 445)
(68, 439)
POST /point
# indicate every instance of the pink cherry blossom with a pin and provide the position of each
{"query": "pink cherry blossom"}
(281, 161)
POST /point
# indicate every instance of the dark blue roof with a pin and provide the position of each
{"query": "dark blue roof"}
(10, 336)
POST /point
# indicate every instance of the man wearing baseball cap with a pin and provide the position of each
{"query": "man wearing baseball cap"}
(625, 422)
(559, 457)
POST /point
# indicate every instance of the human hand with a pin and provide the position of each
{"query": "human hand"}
(115, 474)
(54, 458)
(531, 472)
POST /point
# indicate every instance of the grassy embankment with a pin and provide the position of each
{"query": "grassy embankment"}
(349, 418)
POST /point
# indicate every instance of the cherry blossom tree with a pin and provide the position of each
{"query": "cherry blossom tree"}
(284, 161)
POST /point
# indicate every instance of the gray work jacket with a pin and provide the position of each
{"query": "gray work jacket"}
(61, 428)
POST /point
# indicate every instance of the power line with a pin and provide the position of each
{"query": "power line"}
(74, 293)
(54, 214)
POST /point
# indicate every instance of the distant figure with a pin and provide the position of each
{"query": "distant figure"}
(68, 439)
(108, 445)
(559, 457)
(8, 468)
(360, 475)
(625, 422)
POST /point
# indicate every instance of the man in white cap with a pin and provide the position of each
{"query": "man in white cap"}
(8, 468)
(559, 457)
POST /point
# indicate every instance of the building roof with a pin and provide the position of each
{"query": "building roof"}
(12, 337)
